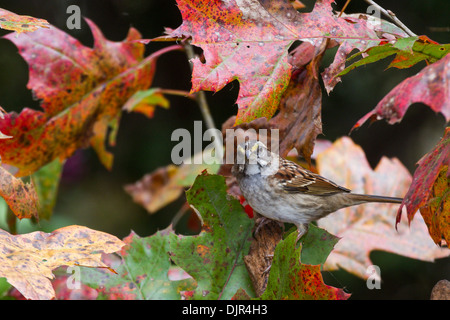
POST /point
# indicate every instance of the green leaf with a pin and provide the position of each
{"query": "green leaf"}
(317, 245)
(374, 54)
(214, 258)
(46, 181)
(408, 51)
(406, 44)
(4, 288)
(142, 271)
(290, 279)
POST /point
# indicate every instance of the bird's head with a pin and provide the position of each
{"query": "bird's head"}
(253, 157)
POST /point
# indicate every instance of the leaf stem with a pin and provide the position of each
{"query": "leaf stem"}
(200, 97)
(344, 7)
(393, 17)
(175, 92)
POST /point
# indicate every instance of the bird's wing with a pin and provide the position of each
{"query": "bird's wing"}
(295, 179)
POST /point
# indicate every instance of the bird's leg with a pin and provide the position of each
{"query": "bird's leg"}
(302, 229)
(263, 221)
(270, 264)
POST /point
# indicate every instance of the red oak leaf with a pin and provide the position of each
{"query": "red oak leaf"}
(248, 41)
(82, 92)
(430, 86)
(421, 194)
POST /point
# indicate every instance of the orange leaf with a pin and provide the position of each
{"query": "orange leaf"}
(21, 197)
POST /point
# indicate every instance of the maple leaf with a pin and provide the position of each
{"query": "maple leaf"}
(18, 23)
(429, 190)
(429, 86)
(27, 260)
(249, 41)
(370, 227)
(82, 92)
(21, 197)
(214, 258)
(144, 271)
(295, 274)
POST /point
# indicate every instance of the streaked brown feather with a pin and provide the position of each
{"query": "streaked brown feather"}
(295, 178)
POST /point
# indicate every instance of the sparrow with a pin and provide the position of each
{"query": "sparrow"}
(284, 191)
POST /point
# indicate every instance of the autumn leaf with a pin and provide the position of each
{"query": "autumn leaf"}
(249, 42)
(299, 119)
(27, 260)
(46, 182)
(296, 275)
(214, 258)
(18, 23)
(21, 197)
(82, 91)
(166, 184)
(429, 191)
(369, 227)
(145, 102)
(389, 31)
(407, 51)
(144, 271)
(2, 135)
(429, 86)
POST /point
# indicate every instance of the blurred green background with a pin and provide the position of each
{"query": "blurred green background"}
(90, 195)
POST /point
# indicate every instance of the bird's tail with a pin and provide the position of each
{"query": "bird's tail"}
(372, 198)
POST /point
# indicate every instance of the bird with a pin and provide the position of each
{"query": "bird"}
(281, 190)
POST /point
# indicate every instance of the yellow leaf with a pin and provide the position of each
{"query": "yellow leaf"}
(27, 260)
(11, 21)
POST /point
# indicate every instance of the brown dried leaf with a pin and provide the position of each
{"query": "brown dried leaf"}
(27, 260)
(164, 185)
(156, 189)
(299, 119)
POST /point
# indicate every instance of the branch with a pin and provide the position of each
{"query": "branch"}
(393, 17)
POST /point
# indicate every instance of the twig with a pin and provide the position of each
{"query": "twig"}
(344, 7)
(200, 97)
(179, 214)
(393, 17)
